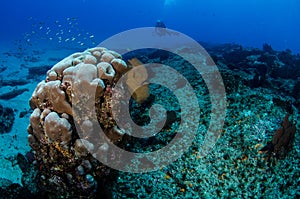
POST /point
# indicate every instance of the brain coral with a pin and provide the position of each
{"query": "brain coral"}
(65, 168)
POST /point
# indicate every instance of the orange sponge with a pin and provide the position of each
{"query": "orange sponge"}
(137, 81)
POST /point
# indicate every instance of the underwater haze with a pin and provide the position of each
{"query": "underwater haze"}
(149, 99)
(250, 23)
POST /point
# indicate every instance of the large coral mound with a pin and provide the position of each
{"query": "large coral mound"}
(66, 168)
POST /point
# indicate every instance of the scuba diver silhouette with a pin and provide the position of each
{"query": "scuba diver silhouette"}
(160, 24)
(161, 29)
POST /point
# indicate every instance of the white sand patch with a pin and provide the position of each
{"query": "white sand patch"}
(16, 141)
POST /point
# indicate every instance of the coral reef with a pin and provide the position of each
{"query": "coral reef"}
(234, 168)
(257, 95)
(65, 166)
(255, 68)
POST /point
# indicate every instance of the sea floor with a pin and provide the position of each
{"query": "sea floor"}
(16, 80)
(234, 168)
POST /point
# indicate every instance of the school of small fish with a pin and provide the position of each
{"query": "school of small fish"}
(66, 32)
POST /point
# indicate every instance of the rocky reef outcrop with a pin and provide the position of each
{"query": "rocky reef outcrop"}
(7, 118)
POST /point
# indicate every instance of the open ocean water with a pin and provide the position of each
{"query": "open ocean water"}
(150, 99)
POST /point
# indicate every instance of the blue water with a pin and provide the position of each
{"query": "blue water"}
(248, 22)
(262, 87)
